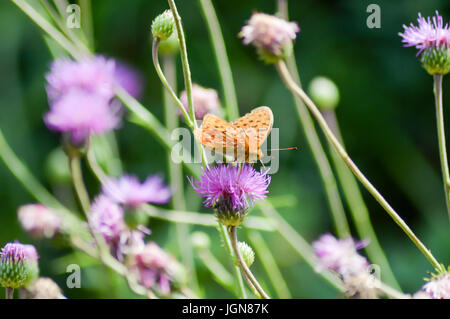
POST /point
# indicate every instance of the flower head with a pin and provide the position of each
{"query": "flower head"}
(438, 287)
(271, 36)
(39, 220)
(17, 263)
(129, 79)
(129, 191)
(155, 267)
(81, 113)
(95, 75)
(432, 38)
(108, 219)
(163, 25)
(231, 190)
(205, 101)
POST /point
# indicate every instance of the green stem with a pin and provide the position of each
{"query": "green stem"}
(268, 261)
(297, 242)
(226, 77)
(295, 89)
(87, 22)
(358, 208)
(78, 183)
(441, 137)
(325, 171)
(176, 176)
(218, 271)
(247, 272)
(237, 273)
(167, 84)
(9, 293)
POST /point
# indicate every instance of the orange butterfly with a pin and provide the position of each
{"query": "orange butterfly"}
(241, 139)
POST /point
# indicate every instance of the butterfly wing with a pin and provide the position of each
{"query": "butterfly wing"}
(255, 126)
(218, 135)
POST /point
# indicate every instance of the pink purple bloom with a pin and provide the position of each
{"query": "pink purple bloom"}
(152, 265)
(108, 219)
(430, 33)
(95, 75)
(39, 220)
(81, 113)
(205, 101)
(438, 287)
(269, 34)
(129, 79)
(13, 268)
(230, 189)
(129, 191)
(340, 255)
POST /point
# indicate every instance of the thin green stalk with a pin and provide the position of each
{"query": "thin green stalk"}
(218, 271)
(167, 84)
(295, 89)
(223, 64)
(357, 206)
(297, 242)
(9, 293)
(184, 60)
(47, 27)
(269, 264)
(87, 22)
(176, 176)
(325, 171)
(78, 183)
(247, 272)
(230, 250)
(441, 137)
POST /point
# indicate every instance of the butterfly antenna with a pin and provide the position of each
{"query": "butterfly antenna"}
(294, 148)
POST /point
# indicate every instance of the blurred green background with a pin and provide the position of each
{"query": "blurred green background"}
(386, 115)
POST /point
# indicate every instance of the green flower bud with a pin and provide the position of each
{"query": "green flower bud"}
(247, 253)
(324, 93)
(163, 25)
(436, 60)
(18, 265)
(200, 240)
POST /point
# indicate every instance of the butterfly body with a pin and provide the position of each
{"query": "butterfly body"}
(241, 138)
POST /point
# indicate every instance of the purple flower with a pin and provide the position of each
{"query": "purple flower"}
(81, 113)
(128, 191)
(39, 220)
(94, 74)
(231, 190)
(340, 255)
(153, 265)
(205, 101)
(129, 79)
(438, 287)
(271, 36)
(14, 268)
(108, 219)
(430, 33)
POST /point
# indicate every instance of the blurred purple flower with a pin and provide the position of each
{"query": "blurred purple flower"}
(205, 101)
(340, 255)
(108, 219)
(127, 190)
(129, 79)
(80, 114)
(30, 253)
(39, 220)
(430, 33)
(13, 252)
(438, 287)
(228, 187)
(94, 74)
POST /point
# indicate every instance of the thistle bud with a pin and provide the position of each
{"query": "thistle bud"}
(324, 93)
(16, 265)
(247, 253)
(436, 61)
(163, 25)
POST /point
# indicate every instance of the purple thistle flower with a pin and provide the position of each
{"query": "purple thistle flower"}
(340, 255)
(108, 219)
(81, 113)
(13, 265)
(231, 190)
(129, 79)
(94, 74)
(128, 191)
(438, 287)
(39, 220)
(430, 33)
